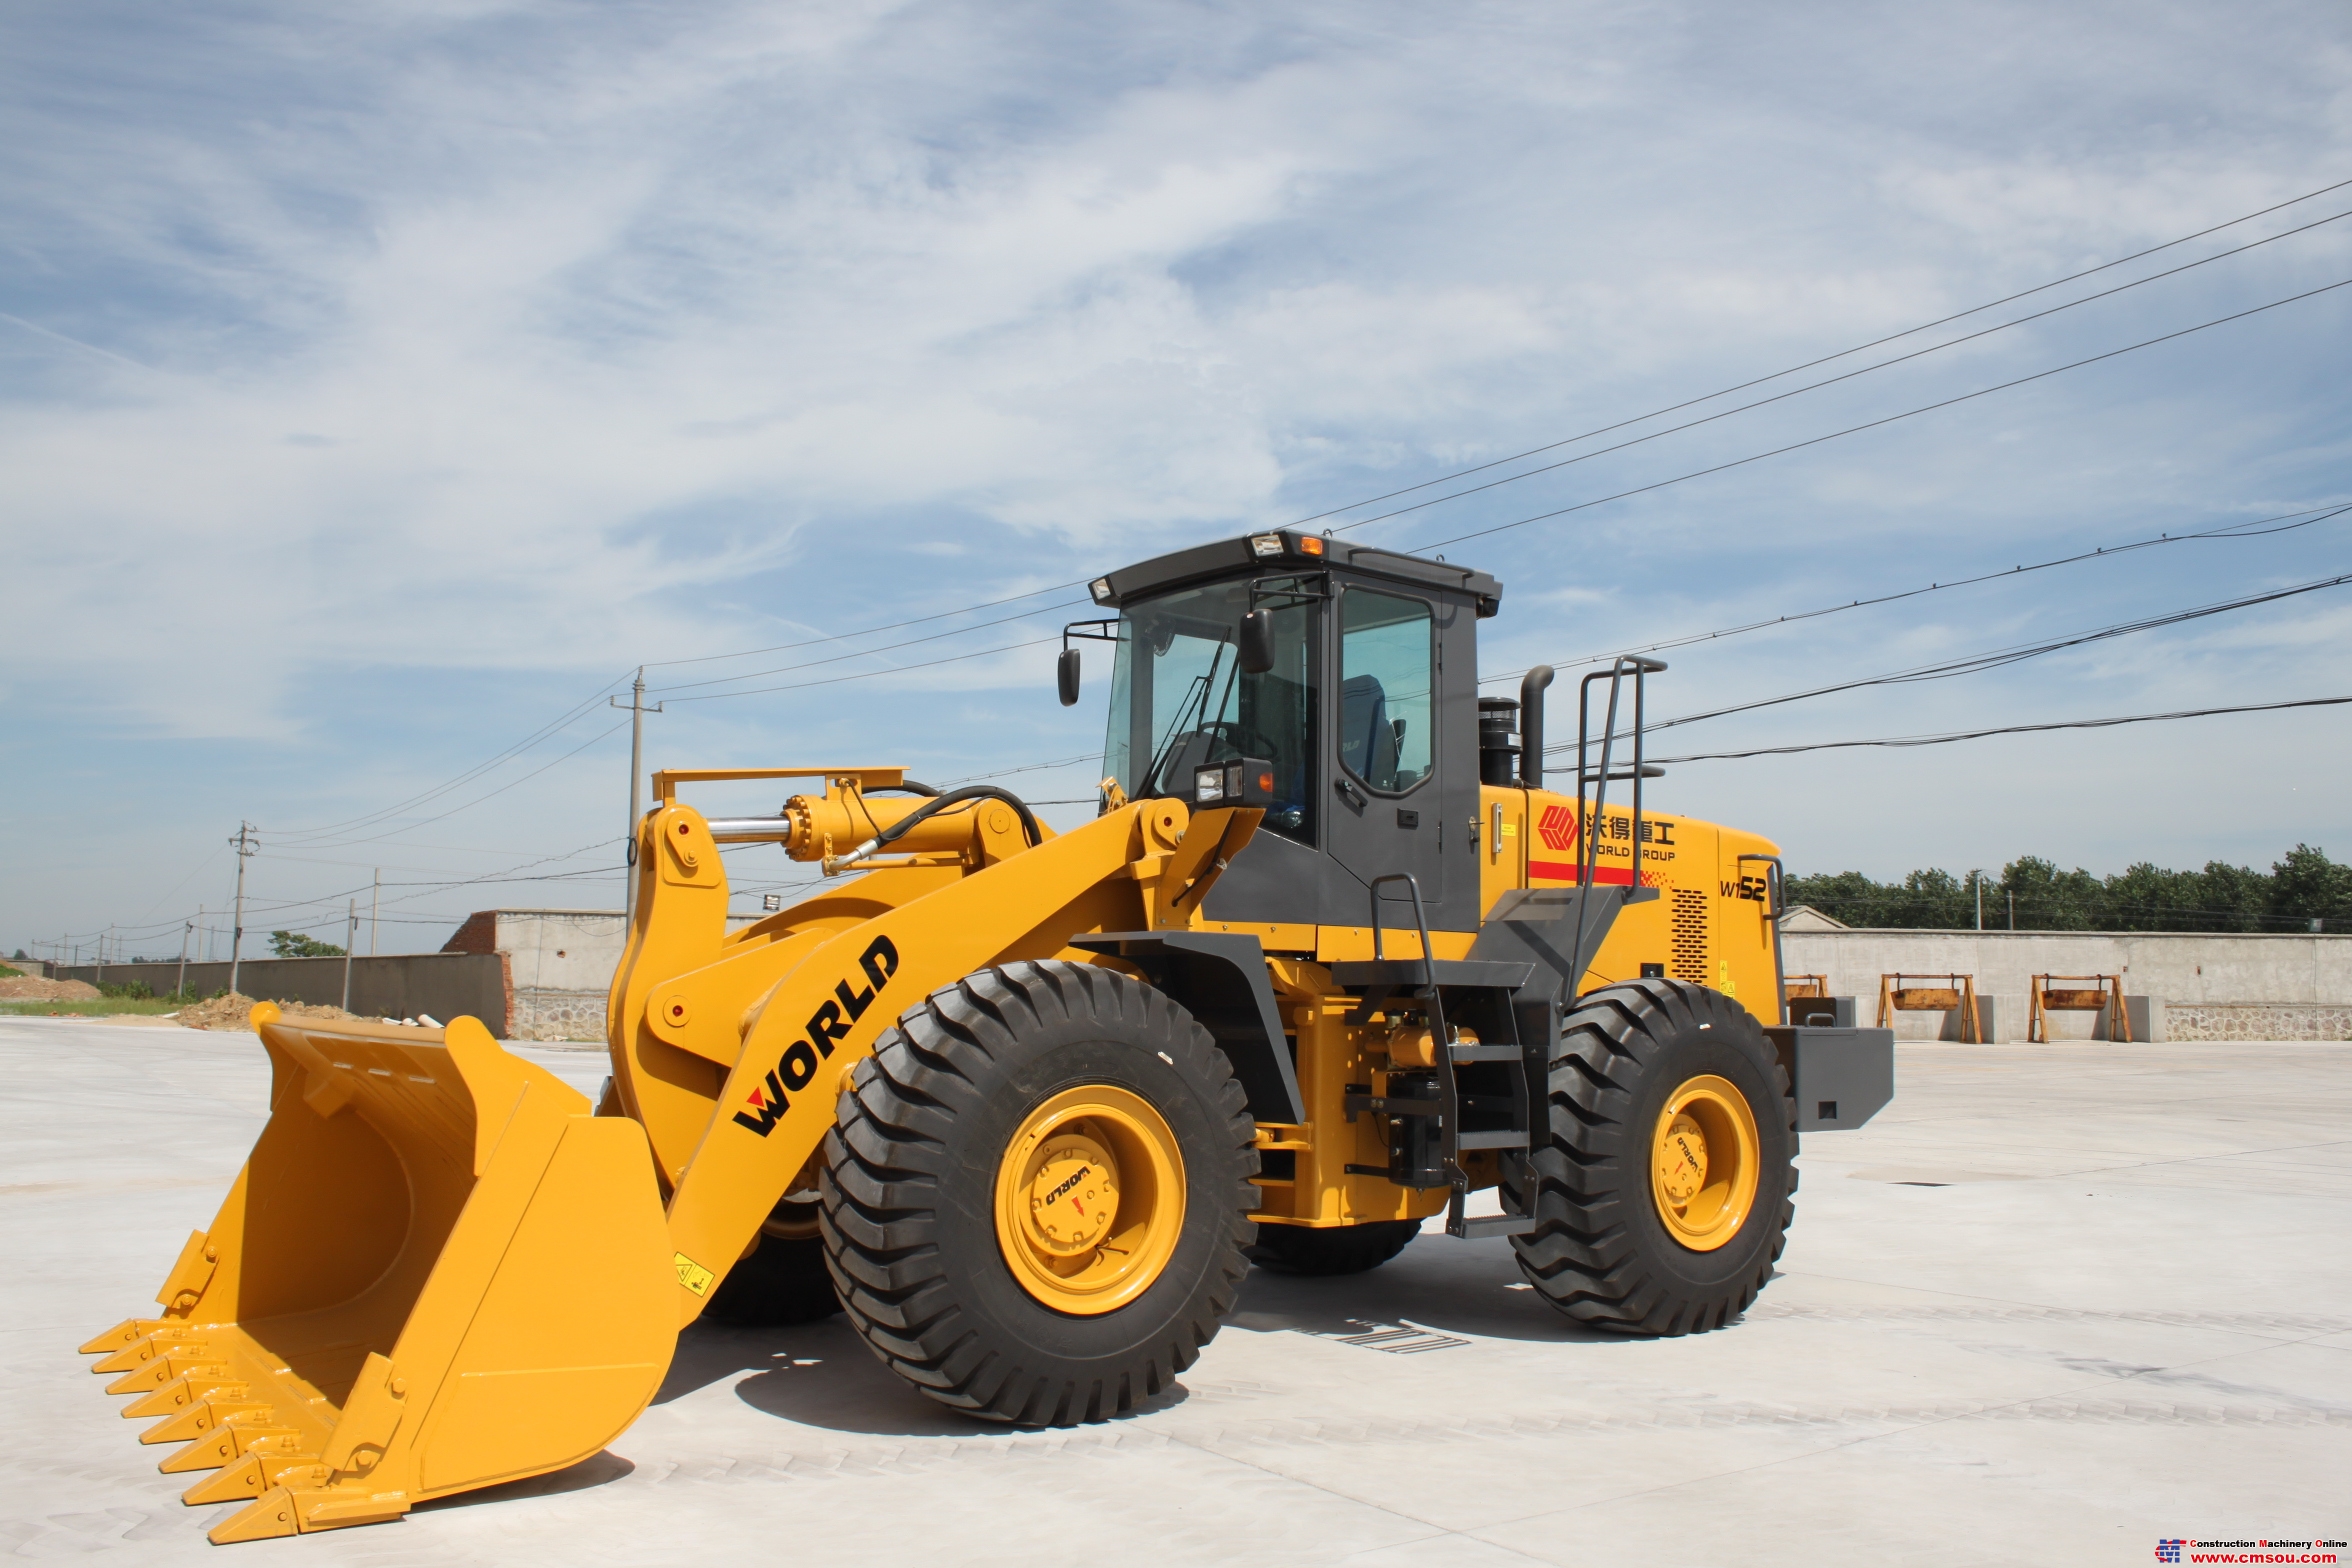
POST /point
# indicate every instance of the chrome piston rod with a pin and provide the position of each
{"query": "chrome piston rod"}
(750, 830)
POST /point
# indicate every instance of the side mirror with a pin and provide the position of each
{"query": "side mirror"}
(1257, 642)
(1066, 677)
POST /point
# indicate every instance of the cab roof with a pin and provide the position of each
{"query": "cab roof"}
(1288, 551)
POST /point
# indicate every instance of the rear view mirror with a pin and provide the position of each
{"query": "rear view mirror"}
(1257, 642)
(1066, 676)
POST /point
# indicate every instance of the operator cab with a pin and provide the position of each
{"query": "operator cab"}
(1346, 679)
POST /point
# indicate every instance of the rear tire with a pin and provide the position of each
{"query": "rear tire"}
(1611, 1249)
(915, 1193)
(1349, 1249)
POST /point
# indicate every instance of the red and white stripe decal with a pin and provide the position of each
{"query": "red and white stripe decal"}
(1565, 871)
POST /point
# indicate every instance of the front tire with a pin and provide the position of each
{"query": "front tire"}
(1663, 1196)
(1037, 1191)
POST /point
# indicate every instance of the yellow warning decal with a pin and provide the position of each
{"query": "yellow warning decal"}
(693, 1275)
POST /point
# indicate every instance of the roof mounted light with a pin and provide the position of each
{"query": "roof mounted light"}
(1265, 544)
(1101, 589)
(1310, 544)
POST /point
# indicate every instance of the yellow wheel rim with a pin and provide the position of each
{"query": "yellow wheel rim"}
(1704, 1162)
(1090, 1199)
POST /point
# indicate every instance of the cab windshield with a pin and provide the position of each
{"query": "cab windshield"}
(1179, 699)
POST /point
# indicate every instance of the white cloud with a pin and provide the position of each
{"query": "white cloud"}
(463, 348)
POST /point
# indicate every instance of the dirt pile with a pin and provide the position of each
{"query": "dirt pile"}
(236, 1012)
(32, 988)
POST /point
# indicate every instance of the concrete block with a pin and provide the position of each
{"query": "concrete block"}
(1988, 1017)
(2147, 1020)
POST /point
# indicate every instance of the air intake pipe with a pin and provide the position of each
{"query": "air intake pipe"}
(1531, 725)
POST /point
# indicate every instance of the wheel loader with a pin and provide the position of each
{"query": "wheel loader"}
(1330, 969)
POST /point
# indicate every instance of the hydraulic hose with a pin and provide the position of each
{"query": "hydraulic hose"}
(937, 804)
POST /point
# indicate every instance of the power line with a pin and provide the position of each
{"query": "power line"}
(1661, 484)
(752, 675)
(478, 799)
(1860, 348)
(1910, 413)
(867, 675)
(786, 647)
(1975, 663)
(1950, 736)
(1778, 397)
(2252, 528)
(1603, 430)
(562, 721)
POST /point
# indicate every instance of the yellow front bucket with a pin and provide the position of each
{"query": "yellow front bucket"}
(437, 1270)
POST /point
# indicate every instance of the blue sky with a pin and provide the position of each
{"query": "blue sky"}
(378, 386)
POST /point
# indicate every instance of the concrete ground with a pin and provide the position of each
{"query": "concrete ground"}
(2054, 1304)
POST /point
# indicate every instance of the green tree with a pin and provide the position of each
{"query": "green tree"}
(2231, 898)
(1931, 900)
(1846, 896)
(2302, 886)
(2049, 899)
(292, 944)
(2306, 886)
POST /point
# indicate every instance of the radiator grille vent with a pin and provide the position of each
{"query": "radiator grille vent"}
(1690, 935)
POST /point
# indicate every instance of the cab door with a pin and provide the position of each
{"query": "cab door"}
(1383, 809)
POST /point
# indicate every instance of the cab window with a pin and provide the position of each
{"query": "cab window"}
(1386, 701)
(1179, 698)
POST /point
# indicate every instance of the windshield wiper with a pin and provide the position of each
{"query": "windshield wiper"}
(1195, 707)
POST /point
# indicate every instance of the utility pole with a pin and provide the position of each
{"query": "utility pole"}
(102, 955)
(350, 941)
(1978, 878)
(2012, 909)
(180, 986)
(245, 846)
(375, 906)
(637, 712)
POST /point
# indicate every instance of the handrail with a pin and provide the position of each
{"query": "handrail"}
(1589, 838)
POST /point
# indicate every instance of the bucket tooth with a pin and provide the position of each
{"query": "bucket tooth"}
(241, 1482)
(209, 1452)
(206, 1416)
(178, 1341)
(234, 1436)
(253, 1475)
(269, 1516)
(128, 1332)
(164, 1370)
(183, 1393)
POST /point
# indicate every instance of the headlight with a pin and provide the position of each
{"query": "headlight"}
(1247, 782)
(1265, 544)
(1101, 589)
